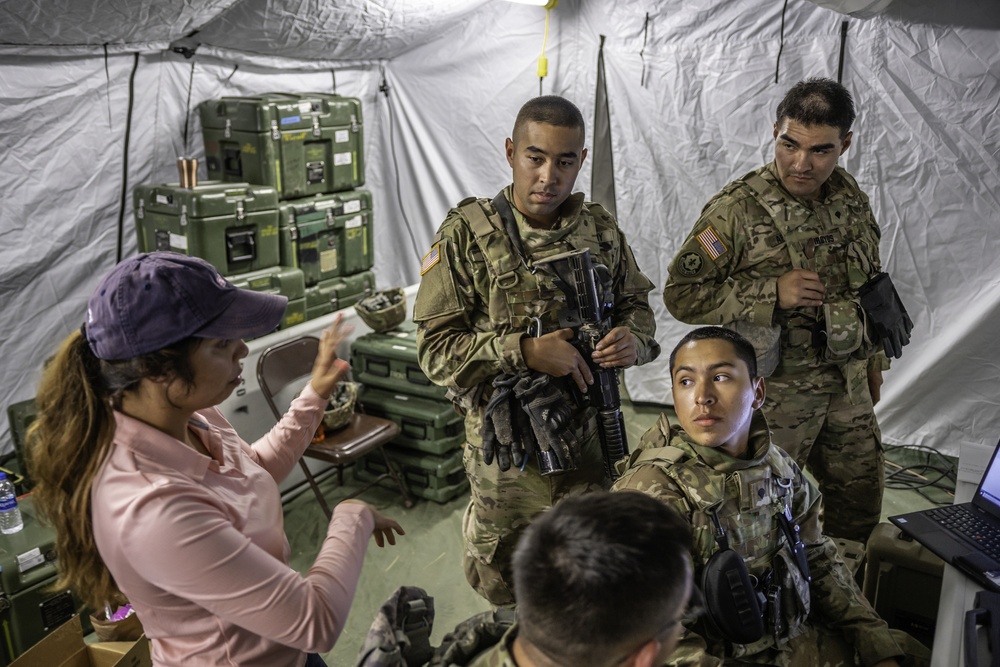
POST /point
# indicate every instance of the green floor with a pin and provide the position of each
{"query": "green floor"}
(429, 555)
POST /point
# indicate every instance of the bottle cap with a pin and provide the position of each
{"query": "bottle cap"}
(3, 475)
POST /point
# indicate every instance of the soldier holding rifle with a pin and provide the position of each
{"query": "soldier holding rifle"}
(491, 320)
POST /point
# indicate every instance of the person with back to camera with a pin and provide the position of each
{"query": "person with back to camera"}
(602, 580)
(788, 255)
(489, 329)
(775, 588)
(156, 499)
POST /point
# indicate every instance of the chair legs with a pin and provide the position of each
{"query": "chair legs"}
(397, 477)
(391, 473)
(315, 487)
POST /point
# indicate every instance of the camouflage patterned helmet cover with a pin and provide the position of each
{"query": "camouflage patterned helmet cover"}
(383, 310)
(341, 406)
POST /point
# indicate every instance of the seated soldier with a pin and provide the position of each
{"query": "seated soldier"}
(602, 579)
(775, 589)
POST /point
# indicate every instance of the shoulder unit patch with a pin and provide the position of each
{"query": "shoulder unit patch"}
(689, 264)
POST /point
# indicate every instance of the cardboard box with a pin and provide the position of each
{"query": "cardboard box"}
(64, 647)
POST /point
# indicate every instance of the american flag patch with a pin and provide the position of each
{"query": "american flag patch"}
(430, 259)
(711, 242)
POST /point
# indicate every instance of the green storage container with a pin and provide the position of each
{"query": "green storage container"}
(302, 144)
(19, 417)
(286, 280)
(389, 361)
(234, 226)
(330, 295)
(437, 478)
(31, 609)
(425, 425)
(327, 235)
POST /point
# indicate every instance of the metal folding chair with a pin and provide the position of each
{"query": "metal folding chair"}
(282, 365)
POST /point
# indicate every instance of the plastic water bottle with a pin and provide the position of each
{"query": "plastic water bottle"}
(10, 515)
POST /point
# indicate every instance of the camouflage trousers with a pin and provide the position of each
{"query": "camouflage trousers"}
(822, 647)
(839, 443)
(504, 503)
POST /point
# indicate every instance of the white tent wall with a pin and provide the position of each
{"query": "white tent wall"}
(926, 146)
(693, 112)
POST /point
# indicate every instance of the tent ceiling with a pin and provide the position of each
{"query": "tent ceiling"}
(299, 29)
(325, 30)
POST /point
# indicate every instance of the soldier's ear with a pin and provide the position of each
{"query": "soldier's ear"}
(645, 655)
(846, 143)
(758, 393)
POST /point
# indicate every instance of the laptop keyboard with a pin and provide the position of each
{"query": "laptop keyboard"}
(961, 519)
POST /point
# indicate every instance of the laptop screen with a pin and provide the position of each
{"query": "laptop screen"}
(987, 495)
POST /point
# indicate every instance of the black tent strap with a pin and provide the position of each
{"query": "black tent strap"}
(187, 113)
(642, 51)
(781, 44)
(843, 48)
(128, 138)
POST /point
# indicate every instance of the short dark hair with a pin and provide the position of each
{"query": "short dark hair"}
(818, 101)
(551, 110)
(744, 350)
(600, 574)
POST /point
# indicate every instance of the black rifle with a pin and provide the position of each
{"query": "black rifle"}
(589, 301)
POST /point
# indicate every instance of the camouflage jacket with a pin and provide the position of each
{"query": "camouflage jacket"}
(498, 655)
(754, 231)
(473, 307)
(749, 493)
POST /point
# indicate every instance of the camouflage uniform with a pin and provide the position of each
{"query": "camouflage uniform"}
(749, 494)
(818, 402)
(471, 310)
(500, 654)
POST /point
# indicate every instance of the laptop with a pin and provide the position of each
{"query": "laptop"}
(966, 535)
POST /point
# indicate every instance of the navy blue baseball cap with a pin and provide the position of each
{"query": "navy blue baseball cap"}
(157, 299)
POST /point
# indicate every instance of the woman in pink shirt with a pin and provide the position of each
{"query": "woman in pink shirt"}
(154, 496)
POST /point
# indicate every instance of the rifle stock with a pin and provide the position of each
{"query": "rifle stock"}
(585, 313)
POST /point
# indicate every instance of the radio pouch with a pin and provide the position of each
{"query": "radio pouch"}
(731, 601)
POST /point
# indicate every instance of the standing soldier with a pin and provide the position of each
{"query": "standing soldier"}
(480, 295)
(788, 256)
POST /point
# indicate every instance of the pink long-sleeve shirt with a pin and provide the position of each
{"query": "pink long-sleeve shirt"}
(198, 546)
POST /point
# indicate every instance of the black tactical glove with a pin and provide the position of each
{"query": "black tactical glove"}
(881, 302)
(500, 425)
(549, 413)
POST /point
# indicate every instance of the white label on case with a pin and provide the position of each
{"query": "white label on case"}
(341, 136)
(178, 242)
(30, 559)
(352, 206)
(341, 159)
(356, 221)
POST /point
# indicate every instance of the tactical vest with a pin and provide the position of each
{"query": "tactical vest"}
(518, 296)
(747, 503)
(831, 241)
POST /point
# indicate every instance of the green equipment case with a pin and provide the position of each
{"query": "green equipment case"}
(302, 144)
(234, 226)
(425, 425)
(437, 478)
(286, 280)
(29, 608)
(19, 417)
(336, 293)
(903, 582)
(389, 361)
(327, 235)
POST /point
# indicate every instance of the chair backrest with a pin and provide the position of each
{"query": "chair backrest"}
(282, 364)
